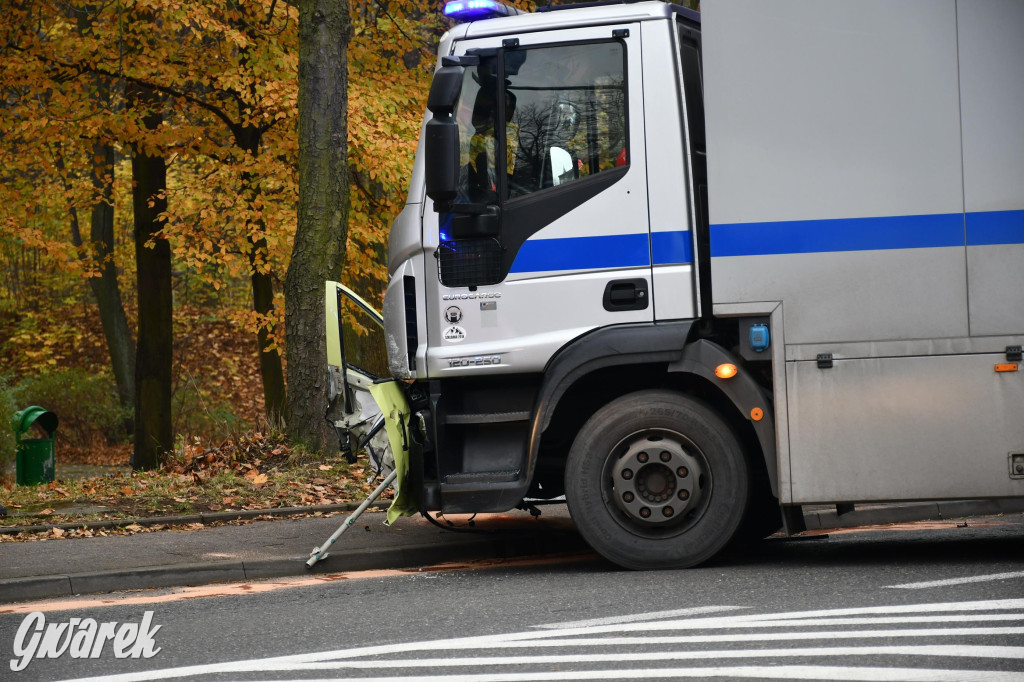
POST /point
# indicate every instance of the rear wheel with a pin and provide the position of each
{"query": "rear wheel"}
(655, 479)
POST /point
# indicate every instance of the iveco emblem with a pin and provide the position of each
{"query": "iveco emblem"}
(453, 314)
(454, 334)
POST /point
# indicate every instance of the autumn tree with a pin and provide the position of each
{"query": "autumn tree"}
(227, 69)
(100, 247)
(320, 237)
(45, 124)
(224, 80)
(153, 365)
(360, 111)
(158, 52)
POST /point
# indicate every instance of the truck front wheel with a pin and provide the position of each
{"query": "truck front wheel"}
(655, 479)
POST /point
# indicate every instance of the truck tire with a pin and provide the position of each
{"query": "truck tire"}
(655, 479)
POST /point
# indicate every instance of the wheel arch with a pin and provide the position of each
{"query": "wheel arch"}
(619, 352)
(608, 363)
(735, 398)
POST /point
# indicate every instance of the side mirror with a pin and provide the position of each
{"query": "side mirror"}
(441, 165)
(441, 138)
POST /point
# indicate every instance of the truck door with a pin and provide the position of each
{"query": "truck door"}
(553, 236)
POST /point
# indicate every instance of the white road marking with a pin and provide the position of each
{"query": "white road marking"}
(866, 620)
(786, 672)
(754, 637)
(960, 651)
(636, 617)
(947, 612)
(944, 607)
(957, 581)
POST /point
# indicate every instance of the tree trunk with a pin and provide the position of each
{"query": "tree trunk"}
(271, 370)
(120, 343)
(153, 433)
(319, 248)
(105, 289)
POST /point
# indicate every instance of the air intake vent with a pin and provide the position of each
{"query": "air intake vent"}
(412, 339)
(469, 262)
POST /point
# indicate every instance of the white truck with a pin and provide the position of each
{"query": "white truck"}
(695, 271)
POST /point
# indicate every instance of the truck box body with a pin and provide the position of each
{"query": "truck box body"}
(866, 172)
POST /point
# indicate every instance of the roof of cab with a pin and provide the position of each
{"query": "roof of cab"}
(566, 17)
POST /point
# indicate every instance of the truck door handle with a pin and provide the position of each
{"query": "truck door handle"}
(626, 294)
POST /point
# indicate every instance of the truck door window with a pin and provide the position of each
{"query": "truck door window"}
(548, 119)
(363, 343)
(566, 115)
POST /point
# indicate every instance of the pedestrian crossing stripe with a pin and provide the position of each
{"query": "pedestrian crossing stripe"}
(755, 629)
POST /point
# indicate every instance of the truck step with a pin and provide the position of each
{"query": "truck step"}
(487, 418)
(482, 477)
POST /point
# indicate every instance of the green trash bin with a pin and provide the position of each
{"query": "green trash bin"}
(34, 457)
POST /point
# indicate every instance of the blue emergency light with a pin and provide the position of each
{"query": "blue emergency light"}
(471, 10)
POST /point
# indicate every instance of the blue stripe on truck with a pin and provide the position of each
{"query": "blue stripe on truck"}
(672, 248)
(846, 234)
(583, 253)
(995, 227)
(761, 239)
(609, 251)
(867, 234)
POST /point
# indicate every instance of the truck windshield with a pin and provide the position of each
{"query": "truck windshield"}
(565, 119)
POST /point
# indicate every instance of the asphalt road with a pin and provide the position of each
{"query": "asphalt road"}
(912, 604)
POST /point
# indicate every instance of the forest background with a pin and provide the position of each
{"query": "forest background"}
(137, 135)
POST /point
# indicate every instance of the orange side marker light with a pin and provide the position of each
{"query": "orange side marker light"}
(1008, 367)
(757, 414)
(726, 370)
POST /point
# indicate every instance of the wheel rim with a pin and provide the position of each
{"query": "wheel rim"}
(656, 483)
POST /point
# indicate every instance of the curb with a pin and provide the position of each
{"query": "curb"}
(482, 545)
(186, 519)
(492, 546)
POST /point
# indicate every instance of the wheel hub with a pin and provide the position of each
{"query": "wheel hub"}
(655, 481)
